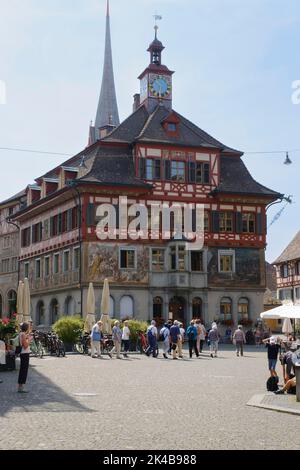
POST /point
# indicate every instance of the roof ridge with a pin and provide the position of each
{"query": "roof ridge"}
(151, 116)
(109, 136)
(192, 127)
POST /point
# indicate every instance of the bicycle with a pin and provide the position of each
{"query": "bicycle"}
(36, 347)
(84, 344)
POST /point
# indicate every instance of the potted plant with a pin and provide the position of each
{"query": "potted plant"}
(68, 330)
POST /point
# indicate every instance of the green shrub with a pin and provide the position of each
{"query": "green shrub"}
(135, 326)
(69, 329)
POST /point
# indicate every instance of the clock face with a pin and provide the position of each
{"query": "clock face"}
(160, 86)
(144, 88)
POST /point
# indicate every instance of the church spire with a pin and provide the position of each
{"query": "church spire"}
(107, 112)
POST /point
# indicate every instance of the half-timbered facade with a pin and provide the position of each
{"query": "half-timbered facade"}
(288, 272)
(156, 156)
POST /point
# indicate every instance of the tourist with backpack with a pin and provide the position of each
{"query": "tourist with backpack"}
(174, 335)
(165, 338)
(152, 339)
(192, 338)
(273, 351)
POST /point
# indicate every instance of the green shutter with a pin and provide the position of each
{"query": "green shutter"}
(90, 214)
(259, 224)
(167, 169)
(238, 222)
(192, 172)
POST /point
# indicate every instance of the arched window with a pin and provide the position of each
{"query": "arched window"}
(126, 307)
(197, 307)
(157, 307)
(69, 306)
(243, 309)
(53, 311)
(40, 313)
(12, 302)
(1, 306)
(111, 307)
(226, 309)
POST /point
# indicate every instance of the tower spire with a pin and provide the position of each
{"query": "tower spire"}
(107, 112)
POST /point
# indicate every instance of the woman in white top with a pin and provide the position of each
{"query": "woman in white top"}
(125, 338)
(24, 356)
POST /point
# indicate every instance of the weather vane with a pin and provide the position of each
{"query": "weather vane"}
(157, 18)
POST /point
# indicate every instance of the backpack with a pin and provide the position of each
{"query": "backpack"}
(190, 334)
(16, 343)
(162, 335)
(272, 384)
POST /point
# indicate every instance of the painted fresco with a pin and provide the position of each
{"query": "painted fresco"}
(248, 271)
(103, 263)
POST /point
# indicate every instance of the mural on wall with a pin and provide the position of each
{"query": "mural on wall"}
(248, 271)
(103, 263)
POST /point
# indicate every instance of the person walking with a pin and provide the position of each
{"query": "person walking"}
(181, 340)
(174, 335)
(213, 337)
(198, 326)
(239, 340)
(165, 336)
(117, 339)
(96, 338)
(152, 339)
(126, 338)
(192, 338)
(24, 338)
(202, 336)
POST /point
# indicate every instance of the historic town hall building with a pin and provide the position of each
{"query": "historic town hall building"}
(155, 155)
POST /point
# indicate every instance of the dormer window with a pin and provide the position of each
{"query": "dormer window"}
(171, 127)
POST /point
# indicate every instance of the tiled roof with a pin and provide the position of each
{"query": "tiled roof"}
(291, 252)
(114, 166)
(235, 178)
(14, 198)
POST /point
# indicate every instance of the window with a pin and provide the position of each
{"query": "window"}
(38, 269)
(37, 232)
(127, 259)
(196, 260)
(297, 292)
(6, 242)
(26, 270)
(286, 294)
(153, 171)
(47, 266)
(25, 237)
(297, 268)
(177, 171)
(171, 127)
(56, 263)
(12, 302)
(158, 260)
(66, 261)
(40, 313)
(226, 309)
(14, 264)
(248, 221)
(227, 261)
(5, 265)
(76, 260)
(284, 270)
(199, 173)
(243, 309)
(226, 221)
(178, 258)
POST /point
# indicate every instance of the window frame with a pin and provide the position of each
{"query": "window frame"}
(66, 252)
(229, 253)
(36, 262)
(159, 263)
(56, 256)
(127, 249)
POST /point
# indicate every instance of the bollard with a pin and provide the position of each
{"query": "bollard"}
(297, 371)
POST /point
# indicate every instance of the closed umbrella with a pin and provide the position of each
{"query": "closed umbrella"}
(90, 309)
(105, 301)
(26, 302)
(20, 296)
(287, 327)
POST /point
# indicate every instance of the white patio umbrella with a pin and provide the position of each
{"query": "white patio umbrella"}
(90, 309)
(287, 327)
(20, 297)
(26, 302)
(284, 311)
(105, 301)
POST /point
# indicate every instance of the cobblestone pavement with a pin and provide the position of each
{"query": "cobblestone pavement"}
(143, 403)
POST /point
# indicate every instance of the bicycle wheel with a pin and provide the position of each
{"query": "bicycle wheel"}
(78, 348)
(40, 351)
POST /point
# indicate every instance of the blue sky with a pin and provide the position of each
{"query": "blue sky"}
(235, 62)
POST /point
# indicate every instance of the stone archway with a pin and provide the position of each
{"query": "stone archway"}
(177, 307)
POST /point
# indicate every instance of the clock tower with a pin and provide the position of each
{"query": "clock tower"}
(156, 80)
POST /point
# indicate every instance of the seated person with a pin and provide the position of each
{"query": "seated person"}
(290, 387)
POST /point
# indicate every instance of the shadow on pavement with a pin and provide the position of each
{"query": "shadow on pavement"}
(44, 395)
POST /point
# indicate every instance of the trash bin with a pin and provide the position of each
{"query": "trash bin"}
(297, 371)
